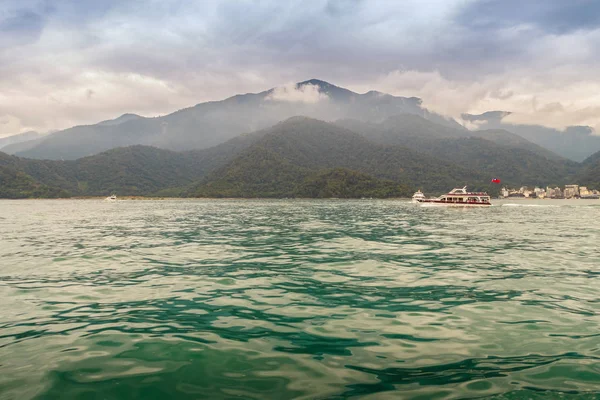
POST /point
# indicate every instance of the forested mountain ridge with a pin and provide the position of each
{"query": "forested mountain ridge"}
(296, 157)
(589, 174)
(15, 184)
(209, 124)
(294, 149)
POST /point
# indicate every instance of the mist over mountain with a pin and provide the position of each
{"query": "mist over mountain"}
(209, 124)
(575, 142)
(301, 157)
(495, 152)
(408, 128)
(19, 138)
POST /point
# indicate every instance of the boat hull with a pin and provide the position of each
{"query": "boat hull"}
(452, 204)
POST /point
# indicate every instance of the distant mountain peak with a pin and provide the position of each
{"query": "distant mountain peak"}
(123, 118)
(336, 92)
(317, 82)
(129, 115)
(19, 138)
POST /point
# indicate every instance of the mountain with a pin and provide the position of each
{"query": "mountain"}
(344, 183)
(497, 153)
(515, 166)
(589, 175)
(575, 142)
(134, 170)
(298, 148)
(19, 138)
(120, 120)
(15, 184)
(23, 146)
(211, 123)
(405, 129)
(299, 157)
(506, 138)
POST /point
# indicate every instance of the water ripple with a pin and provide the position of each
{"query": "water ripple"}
(298, 299)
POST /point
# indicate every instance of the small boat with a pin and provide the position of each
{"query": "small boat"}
(418, 196)
(112, 197)
(459, 197)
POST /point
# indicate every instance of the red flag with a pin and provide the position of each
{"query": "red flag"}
(495, 180)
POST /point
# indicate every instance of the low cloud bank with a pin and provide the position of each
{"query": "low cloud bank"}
(290, 92)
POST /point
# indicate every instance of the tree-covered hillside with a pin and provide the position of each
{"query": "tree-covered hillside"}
(589, 175)
(298, 147)
(134, 170)
(15, 184)
(496, 153)
(344, 183)
(277, 161)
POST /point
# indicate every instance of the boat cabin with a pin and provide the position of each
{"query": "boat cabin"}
(461, 196)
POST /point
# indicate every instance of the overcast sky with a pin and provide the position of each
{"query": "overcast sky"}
(68, 62)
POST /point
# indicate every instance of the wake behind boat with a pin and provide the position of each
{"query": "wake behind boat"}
(459, 197)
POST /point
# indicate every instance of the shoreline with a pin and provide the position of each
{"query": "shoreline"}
(141, 198)
(161, 198)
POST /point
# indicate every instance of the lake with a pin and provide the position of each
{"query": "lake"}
(282, 299)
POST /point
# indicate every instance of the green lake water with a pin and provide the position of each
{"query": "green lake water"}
(291, 299)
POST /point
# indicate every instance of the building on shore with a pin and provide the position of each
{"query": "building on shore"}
(524, 190)
(555, 193)
(539, 193)
(571, 191)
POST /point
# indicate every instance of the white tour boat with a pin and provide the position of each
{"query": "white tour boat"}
(459, 197)
(112, 197)
(418, 196)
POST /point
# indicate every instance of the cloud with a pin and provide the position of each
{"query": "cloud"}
(557, 98)
(297, 94)
(9, 124)
(76, 62)
(555, 16)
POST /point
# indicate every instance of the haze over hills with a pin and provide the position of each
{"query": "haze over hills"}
(408, 128)
(575, 143)
(208, 124)
(299, 147)
(298, 157)
(19, 138)
(211, 123)
(495, 152)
